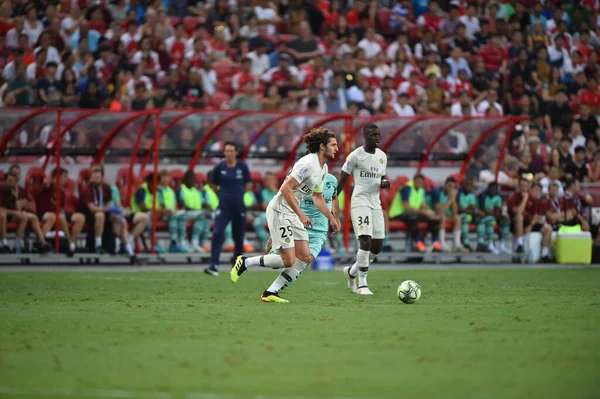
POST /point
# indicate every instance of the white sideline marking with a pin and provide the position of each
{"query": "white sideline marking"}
(120, 393)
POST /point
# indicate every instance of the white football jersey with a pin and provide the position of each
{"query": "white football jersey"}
(310, 177)
(367, 171)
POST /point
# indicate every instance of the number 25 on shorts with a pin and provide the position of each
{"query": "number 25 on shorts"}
(286, 232)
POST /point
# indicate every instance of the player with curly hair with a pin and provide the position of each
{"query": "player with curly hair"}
(286, 220)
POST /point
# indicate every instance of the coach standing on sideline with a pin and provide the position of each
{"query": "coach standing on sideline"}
(230, 179)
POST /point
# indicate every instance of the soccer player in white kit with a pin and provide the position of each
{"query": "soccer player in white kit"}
(367, 165)
(287, 222)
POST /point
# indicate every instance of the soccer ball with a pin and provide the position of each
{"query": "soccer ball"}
(409, 292)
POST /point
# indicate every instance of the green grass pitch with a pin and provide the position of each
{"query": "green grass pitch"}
(474, 334)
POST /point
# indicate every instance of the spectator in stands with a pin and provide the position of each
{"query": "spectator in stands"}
(46, 209)
(259, 58)
(333, 100)
(403, 108)
(490, 101)
(304, 47)
(458, 62)
(21, 90)
(552, 178)
(525, 212)
(467, 210)
(577, 169)
(577, 137)
(495, 55)
(464, 106)
(246, 101)
(559, 112)
(444, 201)
(409, 206)
(189, 199)
(561, 156)
(48, 87)
(588, 123)
(490, 214)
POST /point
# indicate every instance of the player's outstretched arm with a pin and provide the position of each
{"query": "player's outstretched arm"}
(321, 205)
(335, 208)
(342, 182)
(287, 190)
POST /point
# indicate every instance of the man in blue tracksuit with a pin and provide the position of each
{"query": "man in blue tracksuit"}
(230, 179)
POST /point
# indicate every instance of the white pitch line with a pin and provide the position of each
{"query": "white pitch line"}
(125, 394)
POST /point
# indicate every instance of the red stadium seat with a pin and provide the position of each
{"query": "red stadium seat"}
(201, 178)
(189, 24)
(286, 38)
(429, 184)
(595, 193)
(176, 178)
(174, 20)
(71, 202)
(458, 177)
(257, 180)
(122, 177)
(34, 181)
(383, 16)
(65, 6)
(219, 98)
(83, 179)
(70, 187)
(223, 69)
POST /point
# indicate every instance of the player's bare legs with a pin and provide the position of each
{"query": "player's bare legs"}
(287, 276)
(293, 261)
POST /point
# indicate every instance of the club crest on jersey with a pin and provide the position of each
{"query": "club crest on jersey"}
(381, 161)
(303, 172)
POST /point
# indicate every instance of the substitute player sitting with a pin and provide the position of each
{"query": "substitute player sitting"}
(189, 199)
(367, 165)
(318, 234)
(490, 215)
(287, 222)
(445, 204)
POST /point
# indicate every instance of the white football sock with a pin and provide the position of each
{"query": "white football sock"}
(287, 276)
(442, 235)
(544, 251)
(118, 244)
(5, 242)
(456, 235)
(520, 241)
(98, 242)
(72, 246)
(362, 264)
(273, 261)
(129, 249)
(354, 269)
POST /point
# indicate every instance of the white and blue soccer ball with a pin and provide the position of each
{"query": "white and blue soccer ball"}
(409, 292)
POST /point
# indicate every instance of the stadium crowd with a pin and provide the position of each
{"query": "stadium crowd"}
(537, 59)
